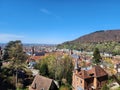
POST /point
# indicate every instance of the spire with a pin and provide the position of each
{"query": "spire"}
(33, 50)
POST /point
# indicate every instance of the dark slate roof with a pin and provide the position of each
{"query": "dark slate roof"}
(75, 56)
(39, 53)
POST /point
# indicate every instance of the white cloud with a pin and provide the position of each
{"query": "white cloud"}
(5, 38)
(45, 11)
(41, 40)
(9, 37)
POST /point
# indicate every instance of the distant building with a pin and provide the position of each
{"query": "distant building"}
(43, 83)
(117, 67)
(33, 50)
(0, 52)
(92, 79)
(32, 64)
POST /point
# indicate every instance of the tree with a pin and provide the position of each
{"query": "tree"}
(44, 69)
(0, 64)
(14, 49)
(65, 87)
(57, 67)
(67, 67)
(5, 55)
(105, 87)
(117, 88)
(96, 56)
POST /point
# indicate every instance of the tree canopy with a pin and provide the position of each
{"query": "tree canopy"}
(105, 87)
(44, 69)
(96, 56)
(14, 51)
(59, 67)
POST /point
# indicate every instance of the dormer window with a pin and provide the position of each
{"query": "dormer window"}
(92, 74)
(80, 73)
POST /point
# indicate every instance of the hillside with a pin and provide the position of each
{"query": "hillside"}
(100, 36)
(106, 41)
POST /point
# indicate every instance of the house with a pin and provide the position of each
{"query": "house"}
(32, 64)
(92, 79)
(117, 67)
(43, 83)
(36, 58)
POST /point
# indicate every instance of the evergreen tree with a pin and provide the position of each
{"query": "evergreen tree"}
(44, 69)
(96, 56)
(5, 55)
(0, 64)
(14, 49)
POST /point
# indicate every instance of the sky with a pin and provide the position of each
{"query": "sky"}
(55, 21)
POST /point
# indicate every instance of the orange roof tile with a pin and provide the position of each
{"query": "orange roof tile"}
(36, 57)
(96, 71)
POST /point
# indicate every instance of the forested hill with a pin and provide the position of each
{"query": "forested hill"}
(106, 41)
(100, 36)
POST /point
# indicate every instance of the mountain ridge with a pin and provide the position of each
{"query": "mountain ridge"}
(100, 36)
(105, 40)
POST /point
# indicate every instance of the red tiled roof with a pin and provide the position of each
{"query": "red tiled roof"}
(83, 74)
(96, 71)
(36, 57)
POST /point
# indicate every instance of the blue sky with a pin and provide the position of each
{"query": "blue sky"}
(55, 21)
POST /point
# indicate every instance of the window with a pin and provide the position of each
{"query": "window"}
(77, 78)
(80, 81)
(92, 74)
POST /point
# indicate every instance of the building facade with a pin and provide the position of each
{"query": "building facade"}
(92, 79)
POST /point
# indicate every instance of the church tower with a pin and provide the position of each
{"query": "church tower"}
(33, 51)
